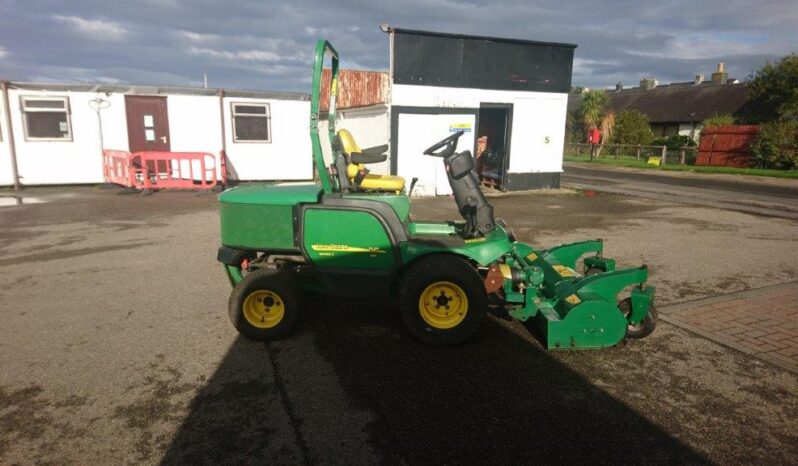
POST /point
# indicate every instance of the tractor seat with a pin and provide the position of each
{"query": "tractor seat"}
(356, 171)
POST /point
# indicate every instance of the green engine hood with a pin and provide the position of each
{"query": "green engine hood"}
(272, 194)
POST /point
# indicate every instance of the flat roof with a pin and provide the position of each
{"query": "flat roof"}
(156, 90)
(490, 38)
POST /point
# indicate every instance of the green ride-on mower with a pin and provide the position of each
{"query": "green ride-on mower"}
(351, 235)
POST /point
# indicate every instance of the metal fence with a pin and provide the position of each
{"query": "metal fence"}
(661, 155)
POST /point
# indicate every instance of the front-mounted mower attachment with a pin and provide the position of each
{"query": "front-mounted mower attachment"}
(578, 310)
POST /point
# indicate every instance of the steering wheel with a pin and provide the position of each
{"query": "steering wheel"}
(450, 144)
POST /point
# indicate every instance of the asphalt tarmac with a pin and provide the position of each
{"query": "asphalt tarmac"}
(115, 348)
(757, 195)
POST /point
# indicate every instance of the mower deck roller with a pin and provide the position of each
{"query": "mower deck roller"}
(348, 237)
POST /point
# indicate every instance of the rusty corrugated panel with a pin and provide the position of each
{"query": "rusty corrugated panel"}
(728, 146)
(356, 88)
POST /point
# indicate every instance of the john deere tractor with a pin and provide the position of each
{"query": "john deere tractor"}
(351, 235)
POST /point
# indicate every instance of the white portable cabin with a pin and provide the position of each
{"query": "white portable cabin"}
(57, 136)
(514, 92)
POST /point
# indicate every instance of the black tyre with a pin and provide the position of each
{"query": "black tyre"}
(644, 328)
(264, 305)
(442, 300)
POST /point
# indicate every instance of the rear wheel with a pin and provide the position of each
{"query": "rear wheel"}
(264, 305)
(645, 327)
(442, 300)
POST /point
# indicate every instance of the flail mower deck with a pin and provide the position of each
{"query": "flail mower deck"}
(351, 235)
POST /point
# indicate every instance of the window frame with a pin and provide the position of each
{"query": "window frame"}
(23, 99)
(267, 116)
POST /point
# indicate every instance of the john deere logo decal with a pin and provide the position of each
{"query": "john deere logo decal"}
(346, 248)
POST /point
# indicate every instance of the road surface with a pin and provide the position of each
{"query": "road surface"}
(755, 195)
(115, 348)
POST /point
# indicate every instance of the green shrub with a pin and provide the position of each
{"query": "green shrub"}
(722, 119)
(631, 127)
(574, 129)
(674, 142)
(776, 145)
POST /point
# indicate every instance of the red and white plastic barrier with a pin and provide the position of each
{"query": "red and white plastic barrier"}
(160, 170)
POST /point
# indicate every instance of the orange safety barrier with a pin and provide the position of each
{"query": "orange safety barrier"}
(117, 168)
(160, 170)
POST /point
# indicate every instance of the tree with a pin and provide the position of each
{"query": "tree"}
(776, 145)
(594, 114)
(574, 129)
(631, 127)
(773, 91)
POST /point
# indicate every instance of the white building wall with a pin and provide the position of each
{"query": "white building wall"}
(538, 130)
(6, 175)
(194, 126)
(63, 162)
(287, 157)
(370, 127)
(194, 123)
(689, 129)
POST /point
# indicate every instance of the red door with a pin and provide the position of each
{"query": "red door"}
(147, 123)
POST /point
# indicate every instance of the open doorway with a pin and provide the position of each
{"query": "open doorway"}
(493, 143)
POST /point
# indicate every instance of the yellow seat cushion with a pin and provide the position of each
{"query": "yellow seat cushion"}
(383, 182)
(371, 181)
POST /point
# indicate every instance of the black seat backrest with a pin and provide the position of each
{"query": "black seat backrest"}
(471, 202)
(340, 164)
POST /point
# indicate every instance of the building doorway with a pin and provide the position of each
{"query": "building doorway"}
(147, 123)
(494, 128)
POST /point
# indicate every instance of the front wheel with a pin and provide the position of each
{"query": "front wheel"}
(642, 329)
(264, 305)
(442, 300)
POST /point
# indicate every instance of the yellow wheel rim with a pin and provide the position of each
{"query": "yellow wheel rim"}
(443, 305)
(264, 309)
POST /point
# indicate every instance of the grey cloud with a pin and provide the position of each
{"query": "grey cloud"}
(268, 44)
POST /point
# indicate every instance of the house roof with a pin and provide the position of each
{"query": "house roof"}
(156, 90)
(677, 103)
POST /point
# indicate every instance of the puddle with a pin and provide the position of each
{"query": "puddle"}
(12, 201)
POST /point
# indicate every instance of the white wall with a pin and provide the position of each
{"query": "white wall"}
(538, 130)
(194, 126)
(688, 129)
(370, 127)
(64, 162)
(6, 175)
(287, 157)
(418, 132)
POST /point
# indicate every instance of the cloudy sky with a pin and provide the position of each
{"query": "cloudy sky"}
(268, 44)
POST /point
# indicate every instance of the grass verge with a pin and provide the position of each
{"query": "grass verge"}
(624, 161)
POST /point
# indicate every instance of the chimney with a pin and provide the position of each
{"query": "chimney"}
(720, 76)
(618, 86)
(648, 83)
(699, 78)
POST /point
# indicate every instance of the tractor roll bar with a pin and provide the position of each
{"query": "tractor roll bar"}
(322, 47)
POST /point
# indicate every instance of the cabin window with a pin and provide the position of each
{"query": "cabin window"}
(251, 122)
(46, 118)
